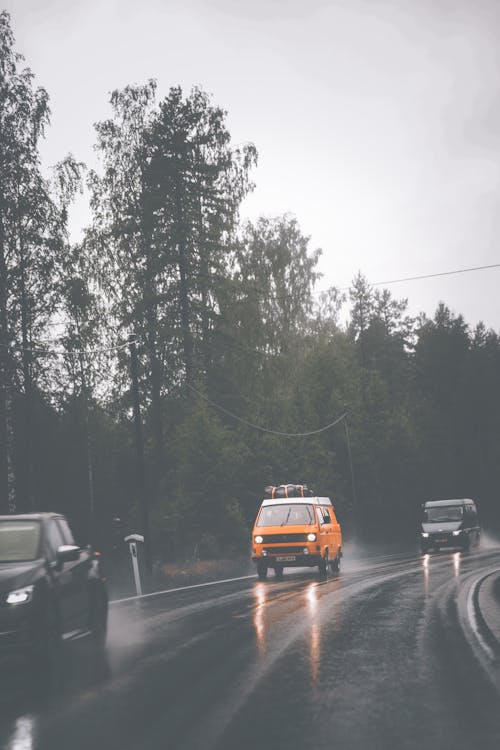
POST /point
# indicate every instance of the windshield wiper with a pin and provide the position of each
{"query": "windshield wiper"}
(286, 519)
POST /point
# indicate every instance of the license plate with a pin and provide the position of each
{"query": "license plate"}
(287, 558)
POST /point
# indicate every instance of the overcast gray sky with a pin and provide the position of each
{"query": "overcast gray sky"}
(377, 122)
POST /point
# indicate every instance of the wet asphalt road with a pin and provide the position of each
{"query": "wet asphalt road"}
(370, 658)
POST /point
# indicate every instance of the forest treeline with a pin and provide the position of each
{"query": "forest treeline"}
(230, 331)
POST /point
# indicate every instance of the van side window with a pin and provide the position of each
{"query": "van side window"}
(323, 514)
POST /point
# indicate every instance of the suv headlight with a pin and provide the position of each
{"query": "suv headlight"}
(311, 537)
(457, 533)
(20, 596)
(425, 534)
(258, 539)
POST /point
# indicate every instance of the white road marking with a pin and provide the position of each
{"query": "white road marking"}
(179, 588)
(471, 615)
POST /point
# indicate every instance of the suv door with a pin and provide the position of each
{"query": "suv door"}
(63, 579)
(79, 573)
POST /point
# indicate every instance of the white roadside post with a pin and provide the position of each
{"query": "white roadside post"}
(132, 540)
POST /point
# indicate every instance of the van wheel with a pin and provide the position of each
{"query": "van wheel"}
(278, 572)
(335, 564)
(323, 566)
(262, 571)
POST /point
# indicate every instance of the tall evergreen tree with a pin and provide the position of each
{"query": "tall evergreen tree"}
(30, 249)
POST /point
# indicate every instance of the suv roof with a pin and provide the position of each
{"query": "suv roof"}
(30, 516)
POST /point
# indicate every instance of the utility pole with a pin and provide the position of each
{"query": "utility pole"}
(139, 446)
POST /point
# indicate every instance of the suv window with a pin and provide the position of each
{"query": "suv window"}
(53, 539)
(65, 531)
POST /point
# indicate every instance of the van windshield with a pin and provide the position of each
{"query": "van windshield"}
(286, 514)
(443, 514)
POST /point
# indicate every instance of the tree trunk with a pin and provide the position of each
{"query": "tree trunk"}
(184, 283)
(4, 370)
(204, 279)
(150, 299)
(27, 373)
(156, 410)
(88, 440)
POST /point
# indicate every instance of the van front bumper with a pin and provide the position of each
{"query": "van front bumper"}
(288, 560)
(444, 540)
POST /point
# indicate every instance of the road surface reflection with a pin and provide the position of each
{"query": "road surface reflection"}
(23, 736)
(314, 637)
(258, 616)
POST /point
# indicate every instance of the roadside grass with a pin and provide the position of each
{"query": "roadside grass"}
(200, 571)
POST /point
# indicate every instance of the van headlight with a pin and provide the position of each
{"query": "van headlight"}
(311, 537)
(258, 539)
(425, 534)
(20, 596)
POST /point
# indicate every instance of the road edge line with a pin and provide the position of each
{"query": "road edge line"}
(152, 594)
(477, 623)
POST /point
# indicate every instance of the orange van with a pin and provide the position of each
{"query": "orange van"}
(294, 528)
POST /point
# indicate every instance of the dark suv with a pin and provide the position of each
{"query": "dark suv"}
(51, 590)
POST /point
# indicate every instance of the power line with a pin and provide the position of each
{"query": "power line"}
(426, 276)
(75, 352)
(78, 352)
(260, 292)
(265, 429)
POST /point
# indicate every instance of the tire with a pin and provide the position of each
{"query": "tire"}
(262, 570)
(278, 572)
(98, 625)
(323, 566)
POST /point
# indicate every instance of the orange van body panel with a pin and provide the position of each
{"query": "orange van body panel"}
(328, 538)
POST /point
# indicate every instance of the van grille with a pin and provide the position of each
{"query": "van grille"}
(286, 550)
(276, 538)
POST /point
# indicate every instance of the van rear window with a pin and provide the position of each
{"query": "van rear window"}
(286, 514)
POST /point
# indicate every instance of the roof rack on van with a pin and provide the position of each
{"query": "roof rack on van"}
(288, 490)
